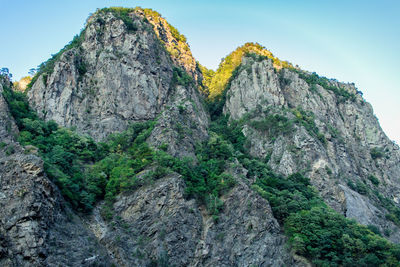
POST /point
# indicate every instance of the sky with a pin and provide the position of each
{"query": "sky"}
(352, 41)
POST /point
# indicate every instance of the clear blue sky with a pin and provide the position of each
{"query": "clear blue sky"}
(352, 41)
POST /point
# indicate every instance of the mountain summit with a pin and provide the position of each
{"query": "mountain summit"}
(125, 151)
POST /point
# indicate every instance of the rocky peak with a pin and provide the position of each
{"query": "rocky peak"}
(175, 42)
(327, 131)
(117, 71)
(226, 69)
(189, 181)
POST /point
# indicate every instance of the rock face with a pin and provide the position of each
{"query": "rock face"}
(338, 155)
(36, 228)
(137, 67)
(114, 77)
(174, 42)
(158, 225)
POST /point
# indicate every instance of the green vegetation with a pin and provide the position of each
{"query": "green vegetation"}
(156, 17)
(377, 152)
(206, 180)
(123, 14)
(86, 171)
(389, 205)
(175, 33)
(10, 150)
(313, 79)
(207, 77)
(315, 231)
(277, 124)
(274, 125)
(226, 68)
(63, 151)
(2, 145)
(329, 239)
(173, 47)
(307, 120)
(180, 77)
(319, 233)
(373, 179)
(359, 187)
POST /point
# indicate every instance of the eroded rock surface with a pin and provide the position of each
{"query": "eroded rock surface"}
(158, 224)
(36, 226)
(336, 156)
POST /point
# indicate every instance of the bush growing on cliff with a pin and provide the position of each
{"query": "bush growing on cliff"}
(313, 79)
(319, 233)
(63, 151)
(377, 153)
(180, 77)
(274, 125)
(315, 231)
(123, 14)
(373, 179)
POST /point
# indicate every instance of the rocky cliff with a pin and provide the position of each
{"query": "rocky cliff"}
(36, 227)
(335, 138)
(217, 181)
(114, 73)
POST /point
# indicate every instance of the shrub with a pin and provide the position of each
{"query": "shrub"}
(2, 145)
(307, 120)
(313, 79)
(123, 14)
(180, 77)
(274, 125)
(373, 179)
(377, 153)
(361, 188)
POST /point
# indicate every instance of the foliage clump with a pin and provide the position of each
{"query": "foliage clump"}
(319, 233)
(228, 64)
(307, 120)
(373, 179)
(123, 14)
(377, 152)
(63, 151)
(86, 171)
(278, 124)
(315, 231)
(274, 125)
(180, 77)
(313, 79)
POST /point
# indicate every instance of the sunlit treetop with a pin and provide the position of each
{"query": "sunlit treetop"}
(216, 85)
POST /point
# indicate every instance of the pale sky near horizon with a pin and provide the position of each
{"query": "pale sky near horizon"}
(352, 41)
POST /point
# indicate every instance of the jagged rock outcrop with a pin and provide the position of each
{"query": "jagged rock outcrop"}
(131, 65)
(36, 228)
(174, 42)
(338, 153)
(113, 77)
(158, 224)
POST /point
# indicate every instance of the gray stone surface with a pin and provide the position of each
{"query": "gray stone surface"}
(157, 223)
(128, 78)
(350, 128)
(36, 228)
